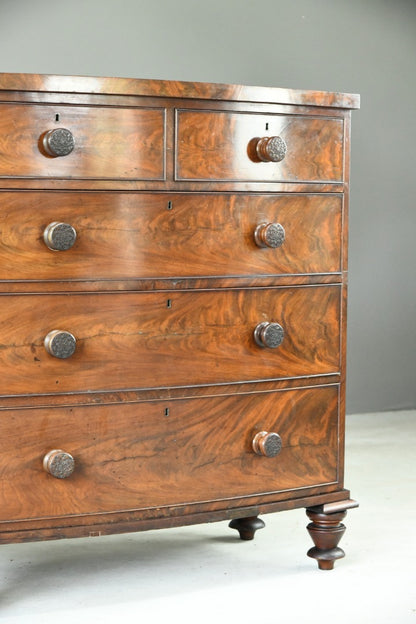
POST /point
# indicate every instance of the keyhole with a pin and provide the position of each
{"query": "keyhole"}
(57, 117)
(267, 126)
(166, 411)
(169, 206)
(169, 303)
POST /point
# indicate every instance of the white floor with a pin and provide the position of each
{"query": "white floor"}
(205, 574)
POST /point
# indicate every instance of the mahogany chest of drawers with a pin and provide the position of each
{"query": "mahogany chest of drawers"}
(173, 272)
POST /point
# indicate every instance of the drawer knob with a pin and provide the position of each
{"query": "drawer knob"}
(59, 236)
(269, 235)
(59, 464)
(60, 344)
(267, 444)
(271, 149)
(269, 335)
(58, 142)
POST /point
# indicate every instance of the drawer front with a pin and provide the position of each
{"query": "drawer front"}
(148, 340)
(223, 146)
(165, 453)
(116, 143)
(134, 235)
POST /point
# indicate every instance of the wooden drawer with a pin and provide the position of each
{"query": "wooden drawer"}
(122, 235)
(148, 340)
(165, 453)
(214, 145)
(116, 143)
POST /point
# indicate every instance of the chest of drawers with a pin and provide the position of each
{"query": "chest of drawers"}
(173, 272)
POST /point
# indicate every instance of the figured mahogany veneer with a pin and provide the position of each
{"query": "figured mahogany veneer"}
(81, 85)
(130, 235)
(220, 146)
(173, 274)
(189, 338)
(167, 453)
(109, 142)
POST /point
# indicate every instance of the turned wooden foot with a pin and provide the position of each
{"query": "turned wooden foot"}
(247, 526)
(326, 530)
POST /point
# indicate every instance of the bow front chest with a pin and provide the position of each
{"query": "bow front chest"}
(173, 261)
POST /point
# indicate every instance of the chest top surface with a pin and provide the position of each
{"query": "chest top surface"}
(175, 89)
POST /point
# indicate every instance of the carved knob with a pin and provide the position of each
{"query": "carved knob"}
(58, 142)
(271, 149)
(267, 444)
(269, 235)
(269, 335)
(59, 464)
(60, 344)
(59, 236)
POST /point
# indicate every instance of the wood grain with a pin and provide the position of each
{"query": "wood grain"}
(138, 456)
(163, 288)
(96, 525)
(145, 340)
(161, 394)
(126, 143)
(174, 89)
(141, 235)
(214, 146)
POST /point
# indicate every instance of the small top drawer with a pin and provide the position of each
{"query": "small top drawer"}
(82, 142)
(227, 146)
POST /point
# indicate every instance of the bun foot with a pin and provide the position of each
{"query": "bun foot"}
(247, 526)
(326, 559)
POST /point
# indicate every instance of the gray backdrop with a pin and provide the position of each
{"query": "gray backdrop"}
(366, 47)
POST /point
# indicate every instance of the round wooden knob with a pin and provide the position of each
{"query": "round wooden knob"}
(60, 344)
(267, 444)
(59, 236)
(269, 335)
(271, 149)
(269, 235)
(59, 464)
(58, 142)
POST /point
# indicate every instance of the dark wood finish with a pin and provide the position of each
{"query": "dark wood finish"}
(216, 146)
(267, 149)
(123, 236)
(170, 185)
(141, 226)
(109, 142)
(269, 335)
(58, 142)
(267, 444)
(174, 89)
(164, 394)
(343, 505)
(94, 525)
(60, 344)
(58, 464)
(189, 338)
(164, 285)
(167, 453)
(59, 236)
(247, 526)
(326, 531)
(269, 235)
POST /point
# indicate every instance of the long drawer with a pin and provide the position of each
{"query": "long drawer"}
(115, 143)
(139, 340)
(165, 453)
(218, 145)
(141, 235)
